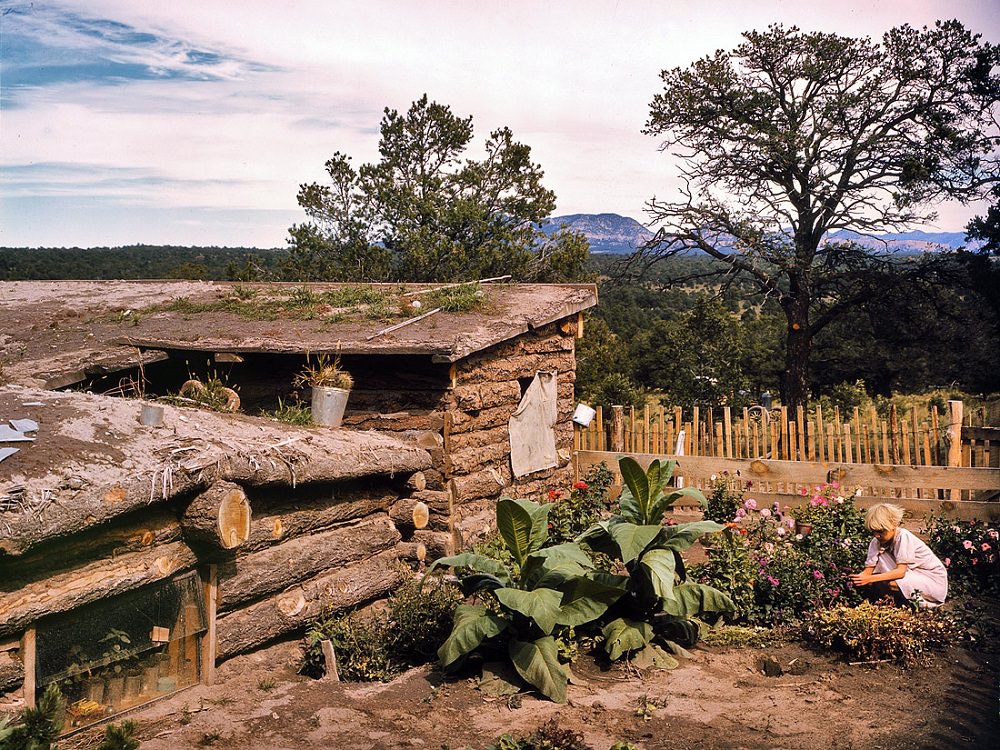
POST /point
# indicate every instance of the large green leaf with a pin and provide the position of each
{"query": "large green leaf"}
(523, 526)
(540, 605)
(695, 599)
(660, 564)
(683, 535)
(477, 583)
(635, 497)
(632, 539)
(623, 635)
(642, 501)
(599, 539)
(653, 657)
(693, 493)
(554, 567)
(476, 562)
(538, 663)
(470, 627)
(586, 599)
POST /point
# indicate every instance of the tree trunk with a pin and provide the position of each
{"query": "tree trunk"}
(49, 594)
(219, 517)
(248, 628)
(798, 346)
(262, 573)
(300, 515)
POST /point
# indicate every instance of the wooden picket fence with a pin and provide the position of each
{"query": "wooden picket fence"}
(935, 463)
(780, 435)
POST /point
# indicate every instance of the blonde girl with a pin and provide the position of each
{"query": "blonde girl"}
(899, 564)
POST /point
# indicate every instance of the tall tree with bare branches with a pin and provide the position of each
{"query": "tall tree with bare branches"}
(792, 136)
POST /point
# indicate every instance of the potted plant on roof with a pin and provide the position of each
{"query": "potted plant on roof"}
(330, 384)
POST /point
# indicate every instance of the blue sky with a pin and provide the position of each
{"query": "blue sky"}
(193, 122)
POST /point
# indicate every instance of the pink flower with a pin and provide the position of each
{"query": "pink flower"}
(750, 504)
(967, 544)
(818, 575)
(986, 547)
(765, 513)
(994, 534)
(835, 485)
(947, 561)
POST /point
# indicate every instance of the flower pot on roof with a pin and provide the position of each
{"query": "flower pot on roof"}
(331, 385)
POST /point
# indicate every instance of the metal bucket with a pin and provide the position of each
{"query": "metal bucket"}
(151, 415)
(328, 405)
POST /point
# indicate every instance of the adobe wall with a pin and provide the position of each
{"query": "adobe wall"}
(461, 414)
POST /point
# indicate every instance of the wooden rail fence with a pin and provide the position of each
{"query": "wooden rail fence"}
(919, 489)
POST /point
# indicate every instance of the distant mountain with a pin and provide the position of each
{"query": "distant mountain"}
(612, 233)
(608, 233)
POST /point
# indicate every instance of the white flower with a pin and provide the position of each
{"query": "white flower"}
(712, 477)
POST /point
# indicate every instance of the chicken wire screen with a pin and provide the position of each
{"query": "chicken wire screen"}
(117, 653)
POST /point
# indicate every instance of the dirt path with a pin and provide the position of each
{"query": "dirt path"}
(720, 699)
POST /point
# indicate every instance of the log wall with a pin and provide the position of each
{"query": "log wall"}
(326, 544)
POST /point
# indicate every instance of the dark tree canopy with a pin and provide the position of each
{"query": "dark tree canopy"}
(794, 135)
(426, 213)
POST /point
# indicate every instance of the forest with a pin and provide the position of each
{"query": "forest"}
(671, 333)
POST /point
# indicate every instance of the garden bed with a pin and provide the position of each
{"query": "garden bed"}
(720, 699)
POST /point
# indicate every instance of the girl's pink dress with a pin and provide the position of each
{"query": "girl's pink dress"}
(924, 573)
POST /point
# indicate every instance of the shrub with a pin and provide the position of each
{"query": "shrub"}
(574, 511)
(726, 497)
(36, 728)
(880, 631)
(790, 573)
(547, 737)
(415, 623)
(970, 550)
(731, 568)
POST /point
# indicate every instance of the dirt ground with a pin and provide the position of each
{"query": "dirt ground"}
(719, 699)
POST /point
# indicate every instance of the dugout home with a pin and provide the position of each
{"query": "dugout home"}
(145, 537)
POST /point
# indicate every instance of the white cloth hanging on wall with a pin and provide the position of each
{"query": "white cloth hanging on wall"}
(533, 427)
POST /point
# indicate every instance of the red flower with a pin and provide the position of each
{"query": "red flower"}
(580, 485)
(554, 494)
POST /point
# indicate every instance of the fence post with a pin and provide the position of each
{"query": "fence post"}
(954, 440)
(618, 429)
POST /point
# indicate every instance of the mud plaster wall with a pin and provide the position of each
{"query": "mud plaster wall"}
(325, 544)
(464, 411)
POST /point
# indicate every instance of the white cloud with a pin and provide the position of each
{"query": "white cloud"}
(296, 81)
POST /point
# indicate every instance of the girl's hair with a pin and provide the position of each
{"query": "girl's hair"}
(883, 516)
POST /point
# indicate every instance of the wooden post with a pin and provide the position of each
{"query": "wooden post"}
(209, 646)
(848, 456)
(800, 429)
(601, 437)
(329, 660)
(618, 429)
(695, 433)
(935, 437)
(819, 433)
(893, 426)
(28, 658)
(954, 440)
(727, 424)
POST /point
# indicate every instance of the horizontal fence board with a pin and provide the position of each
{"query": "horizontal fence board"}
(915, 488)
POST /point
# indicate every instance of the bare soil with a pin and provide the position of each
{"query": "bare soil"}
(719, 699)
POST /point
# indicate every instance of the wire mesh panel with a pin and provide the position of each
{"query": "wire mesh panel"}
(115, 654)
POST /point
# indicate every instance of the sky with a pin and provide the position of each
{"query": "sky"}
(193, 122)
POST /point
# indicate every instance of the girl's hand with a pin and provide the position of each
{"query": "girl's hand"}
(861, 579)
